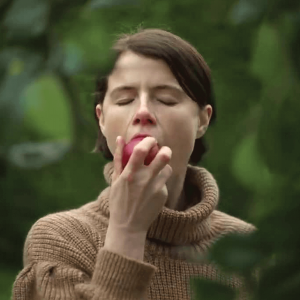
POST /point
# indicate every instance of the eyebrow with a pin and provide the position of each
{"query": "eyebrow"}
(157, 87)
(168, 87)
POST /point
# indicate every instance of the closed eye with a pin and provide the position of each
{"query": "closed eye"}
(168, 103)
(131, 100)
(124, 103)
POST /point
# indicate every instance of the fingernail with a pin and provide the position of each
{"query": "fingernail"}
(117, 139)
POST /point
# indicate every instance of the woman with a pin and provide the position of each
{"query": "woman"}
(137, 239)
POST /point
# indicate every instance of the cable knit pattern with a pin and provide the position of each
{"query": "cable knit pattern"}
(64, 256)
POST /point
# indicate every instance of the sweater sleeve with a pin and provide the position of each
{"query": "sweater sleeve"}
(58, 273)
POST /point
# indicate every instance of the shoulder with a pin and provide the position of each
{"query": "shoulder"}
(230, 224)
(63, 225)
(67, 237)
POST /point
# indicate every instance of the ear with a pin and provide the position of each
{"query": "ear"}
(203, 120)
(99, 113)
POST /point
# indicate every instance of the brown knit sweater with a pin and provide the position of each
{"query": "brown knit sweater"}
(64, 259)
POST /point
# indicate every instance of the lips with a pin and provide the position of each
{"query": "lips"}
(139, 135)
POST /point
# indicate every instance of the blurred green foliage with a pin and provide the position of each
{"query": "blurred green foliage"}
(50, 54)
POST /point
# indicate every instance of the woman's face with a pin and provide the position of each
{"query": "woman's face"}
(143, 96)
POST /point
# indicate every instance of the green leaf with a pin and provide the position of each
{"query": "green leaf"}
(19, 68)
(94, 4)
(248, 166)
(47, 108)
(268, 60)
(245, 11)
(66, 58)
(27, 18)
(281, 280)
(210, 290)
(237, 253)
(73, 59)
(86, 41)
(278, 134)
(16, 67)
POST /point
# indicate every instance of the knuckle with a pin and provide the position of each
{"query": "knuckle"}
(140, 151)
(165, 157)
(166, 172)
(128, 178)
(150, 138)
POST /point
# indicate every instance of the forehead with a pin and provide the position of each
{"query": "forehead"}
(135, 69)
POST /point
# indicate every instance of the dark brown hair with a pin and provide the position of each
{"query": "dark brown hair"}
(185, 62)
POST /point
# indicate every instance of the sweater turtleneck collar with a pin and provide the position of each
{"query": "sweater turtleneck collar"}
(179, 227)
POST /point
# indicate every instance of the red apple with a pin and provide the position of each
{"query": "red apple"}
(128, 149)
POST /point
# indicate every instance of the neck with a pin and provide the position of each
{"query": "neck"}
(176, 193)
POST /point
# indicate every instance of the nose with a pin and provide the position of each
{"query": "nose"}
(144, 116)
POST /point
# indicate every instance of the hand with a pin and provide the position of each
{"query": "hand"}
(138, 193)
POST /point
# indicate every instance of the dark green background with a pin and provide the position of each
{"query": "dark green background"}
(50, 55)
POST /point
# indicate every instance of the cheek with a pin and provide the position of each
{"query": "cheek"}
(183, 133)
(113, 129)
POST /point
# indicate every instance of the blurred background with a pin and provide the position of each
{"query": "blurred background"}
(50, 54)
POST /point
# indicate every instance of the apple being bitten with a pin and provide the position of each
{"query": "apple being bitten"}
(128, 149)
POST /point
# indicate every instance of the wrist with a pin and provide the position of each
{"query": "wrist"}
(125, 242)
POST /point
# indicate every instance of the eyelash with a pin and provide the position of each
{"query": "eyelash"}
(168, 104)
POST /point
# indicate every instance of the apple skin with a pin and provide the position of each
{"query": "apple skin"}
(128, 149)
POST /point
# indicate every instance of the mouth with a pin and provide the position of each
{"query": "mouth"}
(143, 135)
(140, 136)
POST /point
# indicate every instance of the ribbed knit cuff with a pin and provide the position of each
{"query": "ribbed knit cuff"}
(120, 277)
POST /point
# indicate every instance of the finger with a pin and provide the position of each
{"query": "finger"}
(160, 180)
(161, 159)
(139, 154)
(118, 156)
